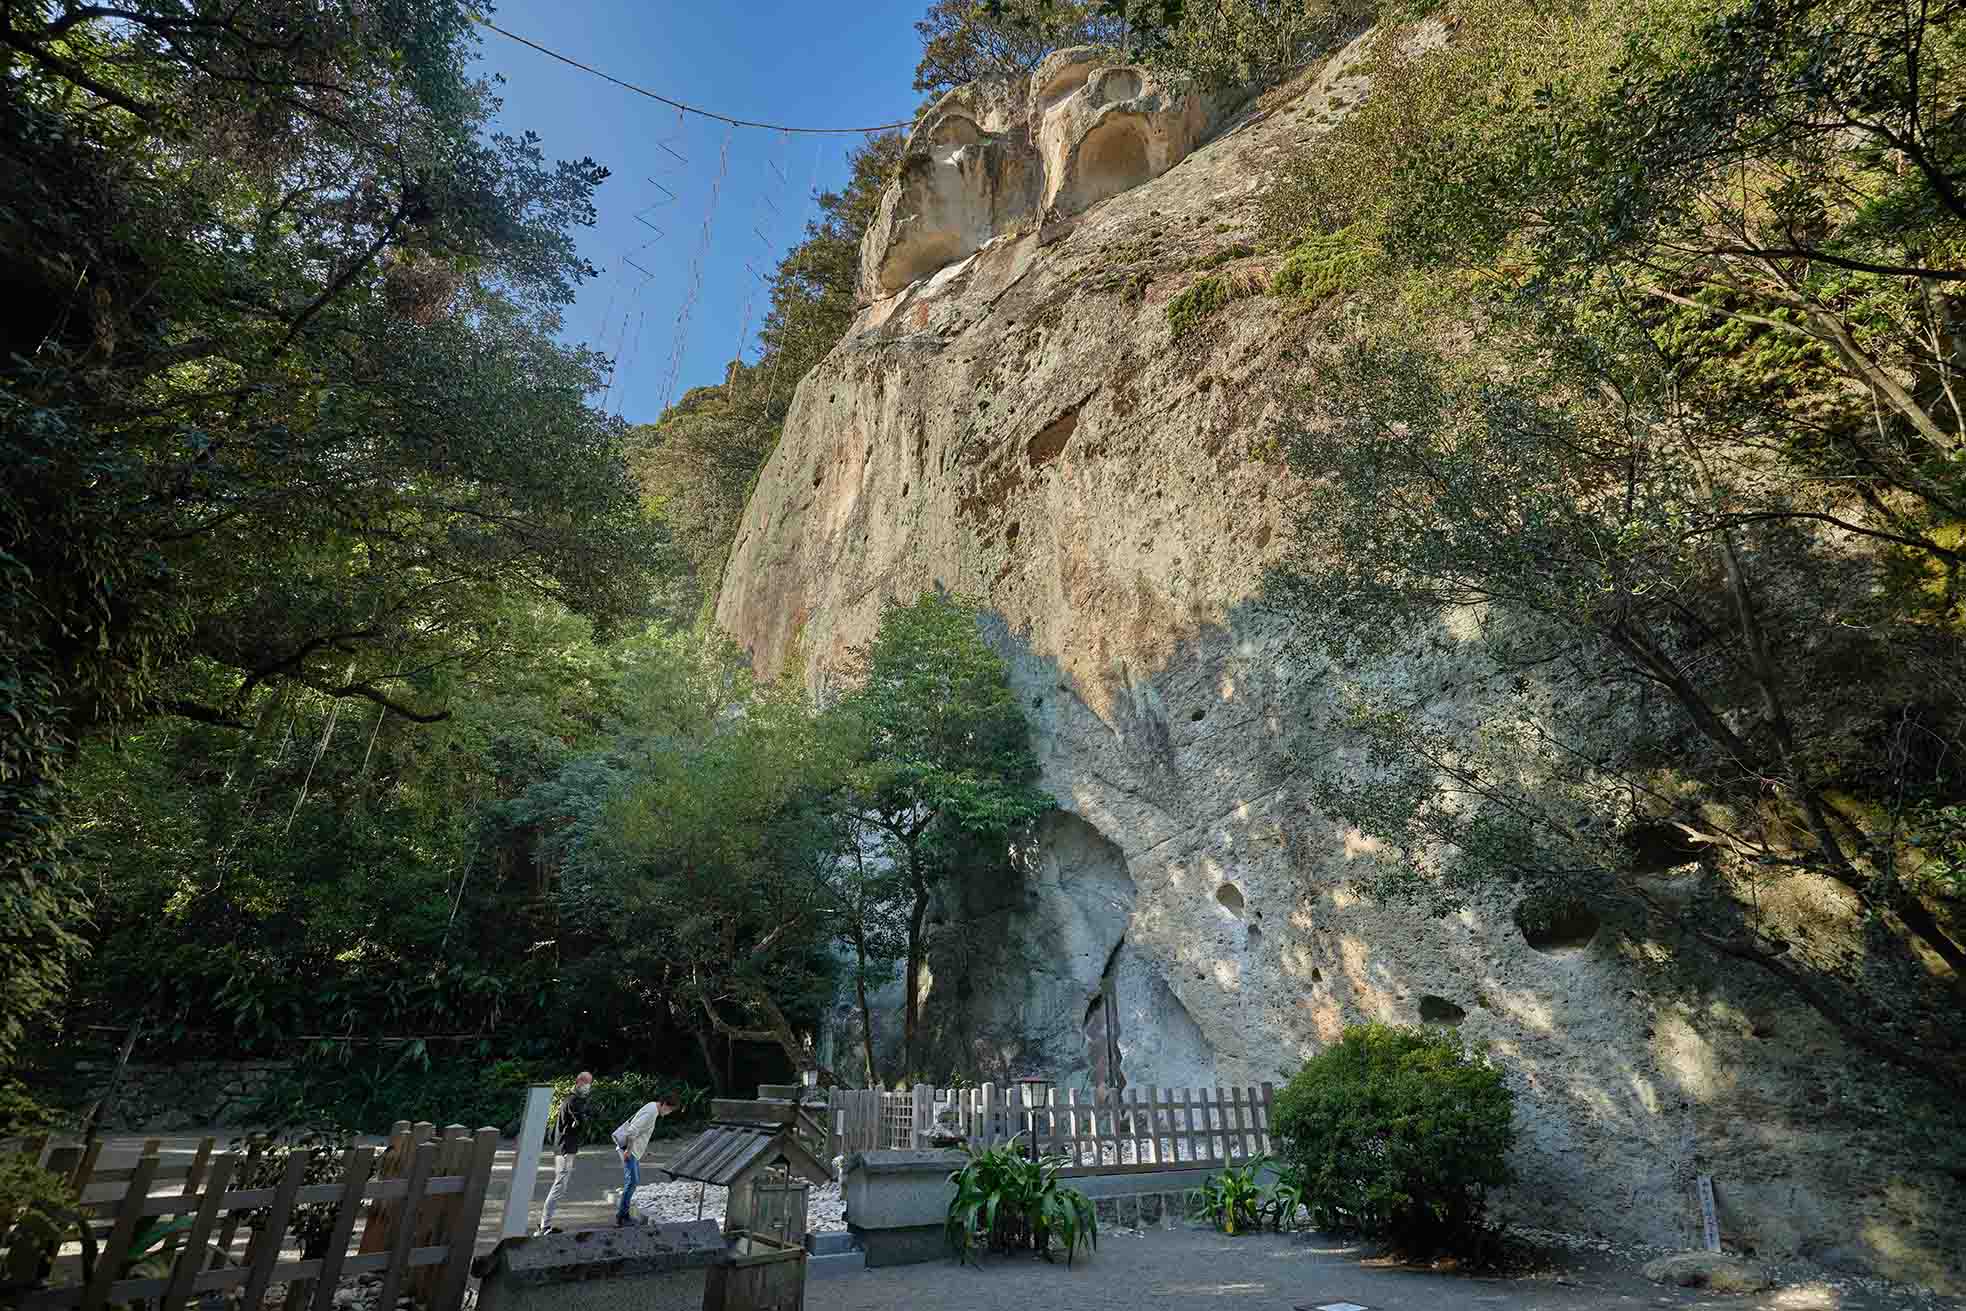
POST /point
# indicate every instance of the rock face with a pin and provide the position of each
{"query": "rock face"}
(1020, 426)
(993, 156)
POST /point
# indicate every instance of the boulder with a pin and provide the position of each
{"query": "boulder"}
(1721, 1272)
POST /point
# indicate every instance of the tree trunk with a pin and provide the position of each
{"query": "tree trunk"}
(866, 1011)
(709, 1061)
(911, 1007)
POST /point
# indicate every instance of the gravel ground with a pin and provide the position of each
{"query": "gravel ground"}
(676, 1201)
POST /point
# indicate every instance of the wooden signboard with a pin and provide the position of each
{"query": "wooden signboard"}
(1709, 1218)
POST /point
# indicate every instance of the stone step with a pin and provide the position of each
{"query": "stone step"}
(831, 1242)
(839, 1263)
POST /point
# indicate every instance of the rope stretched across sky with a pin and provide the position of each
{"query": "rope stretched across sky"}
(677, 104)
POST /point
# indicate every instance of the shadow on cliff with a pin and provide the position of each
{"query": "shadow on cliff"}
(1633, 1075)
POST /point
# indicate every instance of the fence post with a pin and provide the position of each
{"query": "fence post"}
(355, 1166)
(922, 1115)
(405, 1227)
(464, 1226)
(525, 1163)
(265, 1246)
(192, 1259)
(988, 1128)
(97, 1294)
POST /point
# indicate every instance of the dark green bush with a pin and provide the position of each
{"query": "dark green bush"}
(366, 1093)
(617, 1097)
(1398, 1134)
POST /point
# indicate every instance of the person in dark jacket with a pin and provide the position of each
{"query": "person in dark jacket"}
(569, 1127)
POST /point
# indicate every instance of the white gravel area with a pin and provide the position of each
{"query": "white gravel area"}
(675, 1201)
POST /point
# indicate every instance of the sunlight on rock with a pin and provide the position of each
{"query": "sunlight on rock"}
(1687, 1056)
(1806, 1297)
(1358, 844)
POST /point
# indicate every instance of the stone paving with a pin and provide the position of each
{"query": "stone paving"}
(1197, 1270)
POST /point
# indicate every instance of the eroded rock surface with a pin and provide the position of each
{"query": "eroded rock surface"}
(1020, 426)
(992, 157)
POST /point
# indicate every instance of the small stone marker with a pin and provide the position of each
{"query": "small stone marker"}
(1709, 1219)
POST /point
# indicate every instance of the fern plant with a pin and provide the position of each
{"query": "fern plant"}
(1005, 1203)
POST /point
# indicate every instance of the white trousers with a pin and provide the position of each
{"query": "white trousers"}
(562, 1176)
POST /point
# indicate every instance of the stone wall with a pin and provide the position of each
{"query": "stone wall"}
(187, 1095)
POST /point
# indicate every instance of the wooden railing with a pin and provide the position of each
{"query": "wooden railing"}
(1101, 1131)
(418, 1201)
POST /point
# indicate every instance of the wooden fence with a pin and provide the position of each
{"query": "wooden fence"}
(418, 1202)
(1101, 1131)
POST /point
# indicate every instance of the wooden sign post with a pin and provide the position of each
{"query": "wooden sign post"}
(1709, 1218)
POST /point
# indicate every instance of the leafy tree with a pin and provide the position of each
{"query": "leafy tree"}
(968, 40)
(945, 762)
(715, 854)
(1218, 45)
(285, 410)
(1706, 434)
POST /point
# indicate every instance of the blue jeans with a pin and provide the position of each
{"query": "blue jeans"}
(631, 1179)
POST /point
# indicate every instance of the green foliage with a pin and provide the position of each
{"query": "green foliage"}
(37, 1213)
(288, 416)
(1239, 44)
(1398, 1135)
(1006, 1202)
(943, 772)
(967, 40)
(616, 1097)
(1232, 1199)
(1321, 266)
(358, 1091)
(263, 1163)
(1284, 1199)
(1696, 403)
(1192, 307)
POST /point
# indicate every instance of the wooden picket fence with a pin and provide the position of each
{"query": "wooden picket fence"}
(1100, 1131)
(418, 1202)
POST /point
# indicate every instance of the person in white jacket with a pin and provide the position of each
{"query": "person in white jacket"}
(632, 1139)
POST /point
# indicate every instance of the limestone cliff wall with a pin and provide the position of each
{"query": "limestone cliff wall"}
(1018, 425)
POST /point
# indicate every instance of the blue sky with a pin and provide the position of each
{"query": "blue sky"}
(775, 60)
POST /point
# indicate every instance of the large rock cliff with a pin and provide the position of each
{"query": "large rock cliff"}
(1011, 418)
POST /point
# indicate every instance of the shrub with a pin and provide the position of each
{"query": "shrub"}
(1210, 293)
(367, 1093)
(616, 1098)
(1321, 266)
(1398, 1134)
(1006, 1203)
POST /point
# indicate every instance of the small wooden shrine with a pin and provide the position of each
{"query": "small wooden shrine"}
(753, 1149)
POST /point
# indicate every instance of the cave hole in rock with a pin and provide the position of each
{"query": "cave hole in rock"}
(955, 130)
(1065, 82)
(1231, 898)
(1317, 975)
(1439, 1010)
(1111, 159)
(1659, 847)
(1010, 534)
(1112, 84)
(1049, 443)
(1255, 942)
(1555, 925)
(1195, 717)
